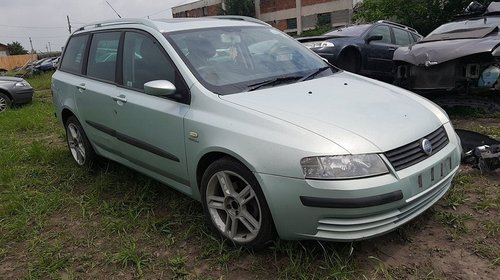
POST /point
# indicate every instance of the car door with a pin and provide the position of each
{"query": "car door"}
(150, 129)
(379, 52)
(96, 90)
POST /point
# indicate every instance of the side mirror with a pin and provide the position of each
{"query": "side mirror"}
(376, 37)
(159, 88)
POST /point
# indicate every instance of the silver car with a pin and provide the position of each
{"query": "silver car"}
(14, 91)
(268, 136)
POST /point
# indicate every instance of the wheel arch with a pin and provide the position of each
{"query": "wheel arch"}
(357, 53)
(352, 48)
(6, 92)
(65, 114)
(213, 155)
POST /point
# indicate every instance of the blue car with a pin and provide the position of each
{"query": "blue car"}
(365, 49)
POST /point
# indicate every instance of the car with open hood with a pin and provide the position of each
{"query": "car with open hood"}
(260, 129)
(459, 56)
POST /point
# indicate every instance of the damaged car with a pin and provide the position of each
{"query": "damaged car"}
(365, 49)
(460, 56)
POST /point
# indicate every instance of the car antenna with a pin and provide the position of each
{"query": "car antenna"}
(114, 10)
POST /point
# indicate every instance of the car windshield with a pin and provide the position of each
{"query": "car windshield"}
(239, 59)
(350, 31)
(466, 24)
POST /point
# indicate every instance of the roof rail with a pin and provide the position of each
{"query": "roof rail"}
(243, 18)
(117, 22)
(398, 25)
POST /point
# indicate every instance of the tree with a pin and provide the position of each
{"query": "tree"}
(239, 7)
(15, 48)
(423, 15)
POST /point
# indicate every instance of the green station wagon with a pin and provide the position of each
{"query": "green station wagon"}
(268, 136)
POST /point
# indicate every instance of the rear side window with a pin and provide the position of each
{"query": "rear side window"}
(103, 55)
(402, 37)
(73, 56)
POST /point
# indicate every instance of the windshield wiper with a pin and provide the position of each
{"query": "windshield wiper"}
(307, 77)
(273, 82)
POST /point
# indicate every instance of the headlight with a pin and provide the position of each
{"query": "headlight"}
(22, 84)
(343, 167)
(327, 44)
(318, 44)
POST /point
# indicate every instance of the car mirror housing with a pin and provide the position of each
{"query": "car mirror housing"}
(376, 37)
(159, 88)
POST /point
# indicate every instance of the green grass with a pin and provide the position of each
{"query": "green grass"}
(58, 221)
(40, 81)
(457, 195)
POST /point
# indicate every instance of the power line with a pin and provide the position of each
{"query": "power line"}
(31, 27)
(157, 13)
(34, 37)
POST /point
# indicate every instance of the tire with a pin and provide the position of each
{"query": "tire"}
(349, 61)
(79, 146)
(5, 102)
(237, 211)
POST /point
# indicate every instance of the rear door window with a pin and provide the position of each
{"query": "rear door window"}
(402, 37)
(103, 56)
(73, 56)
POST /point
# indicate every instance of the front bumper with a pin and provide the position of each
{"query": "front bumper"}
(22, 96)
(391, 200)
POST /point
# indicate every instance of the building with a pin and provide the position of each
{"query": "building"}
(4, 50)
(201, 8)
(293, 16)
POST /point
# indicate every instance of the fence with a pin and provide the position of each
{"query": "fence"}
(12, 61)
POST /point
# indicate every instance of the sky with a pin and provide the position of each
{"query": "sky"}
(45, 20)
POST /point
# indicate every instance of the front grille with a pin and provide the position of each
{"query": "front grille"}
(412, 153)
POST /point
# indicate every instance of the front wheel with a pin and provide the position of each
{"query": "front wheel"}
(78, 143)
(235, 205)
(5, 102)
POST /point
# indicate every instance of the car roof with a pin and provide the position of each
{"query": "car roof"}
(174, 24)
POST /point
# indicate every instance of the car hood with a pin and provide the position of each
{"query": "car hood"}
(356, 113)
(437, 52)
(319, 38)
(10, 79)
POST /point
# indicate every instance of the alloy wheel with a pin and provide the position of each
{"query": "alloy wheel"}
(3, 104)
(75, 143)
(233, 206)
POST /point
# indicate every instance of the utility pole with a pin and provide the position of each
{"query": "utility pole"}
(32, 51)
(31, 43)
(69, 25)
(50, 49)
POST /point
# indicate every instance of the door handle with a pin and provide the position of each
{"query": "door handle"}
(120, 98)
(81, 87)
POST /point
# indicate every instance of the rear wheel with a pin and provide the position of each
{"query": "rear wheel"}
(78, 143)
(349, 60)
(5, 102)
(235, 205)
